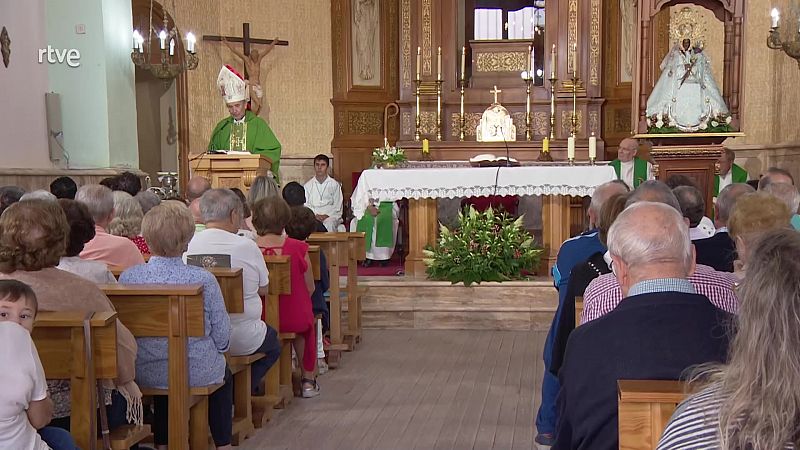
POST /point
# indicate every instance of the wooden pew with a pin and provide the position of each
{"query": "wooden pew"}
(313, 255)
(356, 251)
(174, 312)
(335, 246)
(645, 407)
(279, 377)
(578, 310)
(60, 341)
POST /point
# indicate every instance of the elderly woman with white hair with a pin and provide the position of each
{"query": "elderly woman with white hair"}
(127, 221)
(788, 194)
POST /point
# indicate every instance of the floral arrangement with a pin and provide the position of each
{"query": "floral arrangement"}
(484, 247)
(388, 156)
(720, 123)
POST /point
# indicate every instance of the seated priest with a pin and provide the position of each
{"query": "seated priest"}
(324, 195)
(631, 169)
(379, 226)
(243, 130)
(728, 171)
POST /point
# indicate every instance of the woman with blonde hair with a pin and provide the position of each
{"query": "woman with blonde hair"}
(753, 401)
(263, 186)
(127, 221)
(753, 215)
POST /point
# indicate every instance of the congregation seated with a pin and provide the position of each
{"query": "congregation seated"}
(222, 214)
(64, 187)
(719, 251)
(33, 236)
(572, 252)
(10, 195)
(582, 274)
(324, 195)
(775, 175)
(147, 200)
(662, 326)
(754, 215)
(300, 227)
(25, 405)
(244, 224)
(39, 194)
(751, 400)
(262, 187)
(270, 217)
(604, 294)
(788, 194)
(295, 195)
(127, 221)
(81, 231)
(105, 247)
(693, 208)
(168, 228)
(195, 188)
(128, 182)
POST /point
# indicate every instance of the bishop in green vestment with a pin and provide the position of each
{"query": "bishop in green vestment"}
(243, 130)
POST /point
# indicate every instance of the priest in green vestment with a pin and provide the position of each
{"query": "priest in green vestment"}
(379, 226)
(631, 169)
(728, 172)
(243, 130)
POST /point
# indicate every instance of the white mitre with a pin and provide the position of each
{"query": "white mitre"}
(232, 86)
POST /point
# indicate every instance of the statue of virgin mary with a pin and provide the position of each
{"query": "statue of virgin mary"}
(686, 97)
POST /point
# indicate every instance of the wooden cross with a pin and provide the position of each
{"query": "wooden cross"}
(495, 91)
(246, 40)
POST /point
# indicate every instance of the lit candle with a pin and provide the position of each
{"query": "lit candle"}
(135, 39)
(592, 146)
(571, 147)
(553, 62)
(776, 16)
(190, 41)
(425, 147)
(439, 64)
(530, 56)
(546, 145)
(162, 36)
(171, 47)
(419, 50)
(463, 63)
(141, 44)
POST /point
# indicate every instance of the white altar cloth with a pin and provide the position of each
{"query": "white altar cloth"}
(394, 184)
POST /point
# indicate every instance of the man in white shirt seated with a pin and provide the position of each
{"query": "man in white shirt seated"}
(324, 195)
(222, 213)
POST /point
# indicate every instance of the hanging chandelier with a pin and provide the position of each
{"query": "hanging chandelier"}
(775, 42)
(170, 65)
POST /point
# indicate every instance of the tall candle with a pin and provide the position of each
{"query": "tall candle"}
(776, 16)
(171, 47)
(530, 55)
(463, 63)
(162, 36)
(190, 40)
(553, 62)
(419, 50)
(439, 64)
(546, 144)
(571, 147)
(592, 147)
(575, 59)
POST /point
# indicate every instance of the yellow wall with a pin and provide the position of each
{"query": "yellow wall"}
(296, 79)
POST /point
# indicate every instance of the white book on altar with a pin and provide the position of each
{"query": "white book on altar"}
(490, 158)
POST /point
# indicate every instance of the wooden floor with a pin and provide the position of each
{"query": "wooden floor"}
(427, 389)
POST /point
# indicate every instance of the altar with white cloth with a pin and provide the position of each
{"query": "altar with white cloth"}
(556, 182)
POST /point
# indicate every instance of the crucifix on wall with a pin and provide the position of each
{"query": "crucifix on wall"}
(251, 58)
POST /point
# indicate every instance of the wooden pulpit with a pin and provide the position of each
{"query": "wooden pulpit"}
(231, 170)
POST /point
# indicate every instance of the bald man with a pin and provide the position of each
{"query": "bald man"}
(631, 169)
(729, 172)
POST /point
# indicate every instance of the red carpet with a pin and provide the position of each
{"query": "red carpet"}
(376, 270)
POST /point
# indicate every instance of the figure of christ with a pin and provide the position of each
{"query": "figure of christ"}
(252, 66)
(365, 19)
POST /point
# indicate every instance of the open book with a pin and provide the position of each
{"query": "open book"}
(490, 160)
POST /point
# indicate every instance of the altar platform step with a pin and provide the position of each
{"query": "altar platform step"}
(407, 303)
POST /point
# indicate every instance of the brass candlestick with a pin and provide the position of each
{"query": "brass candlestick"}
(574, 119)
(439, 109)
(553, 80)
(528, 81)
(462, 119)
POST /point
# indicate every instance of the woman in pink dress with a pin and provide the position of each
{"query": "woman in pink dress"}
(270, 216)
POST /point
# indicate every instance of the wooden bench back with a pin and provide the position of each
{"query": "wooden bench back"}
(314, 256)
(60, 342)
(176, 313)
(334, 245)
(645, 407)
(231, 283)
(578, 310)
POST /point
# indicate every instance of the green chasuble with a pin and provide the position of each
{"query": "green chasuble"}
(259, 139)
(738, 175)
(385, 226)
(639, 170)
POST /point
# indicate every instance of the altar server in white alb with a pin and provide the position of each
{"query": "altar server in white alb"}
(324, 195)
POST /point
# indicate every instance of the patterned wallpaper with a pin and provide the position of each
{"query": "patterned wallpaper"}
(297, 79)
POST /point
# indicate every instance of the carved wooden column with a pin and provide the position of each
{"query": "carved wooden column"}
(556, 215)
